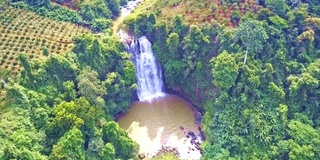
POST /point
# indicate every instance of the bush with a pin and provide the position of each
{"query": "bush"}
(235, 16)
(45, 51)
(101, 24)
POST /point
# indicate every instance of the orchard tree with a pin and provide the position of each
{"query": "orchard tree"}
(39, 3)
(252, 34)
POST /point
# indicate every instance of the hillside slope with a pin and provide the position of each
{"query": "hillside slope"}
(24, 31)
(258, 84)
(197, 12)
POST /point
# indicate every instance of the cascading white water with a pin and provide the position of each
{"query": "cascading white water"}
(148, 71)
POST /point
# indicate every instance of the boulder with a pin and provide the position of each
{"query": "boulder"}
(142, 155)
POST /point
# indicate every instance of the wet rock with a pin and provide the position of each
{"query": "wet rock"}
(193, 137)
(191, 133)
(166, 149)
(142, 155)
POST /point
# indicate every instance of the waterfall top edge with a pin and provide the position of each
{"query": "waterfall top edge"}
(151, 98)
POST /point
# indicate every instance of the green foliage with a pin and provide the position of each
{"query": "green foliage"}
(225, 70)
(195, 45)
(251, 110)
(144, 25)
(303, 143)
(124, 147)
(78, 114)
(179, 26)
(89, 85)
(69, 146)
(173, 44)
(115, 71)
(100, 24)
(108, 152)
(26, 64)
(277, 6)
(19, 138)
(69, 92)
(114, 6)
(45, 51)
(252, 34)
(96, 14)
(265, 109)
(56, 108)
(279, 22)
(92, 53)
(38, 2)
(51, 10)
(129, 72)
(16, 96)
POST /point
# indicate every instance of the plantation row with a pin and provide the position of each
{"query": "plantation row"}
(37, 36)
(224, 13)
(199, 12)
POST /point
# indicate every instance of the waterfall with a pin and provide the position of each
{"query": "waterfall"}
(148, 70)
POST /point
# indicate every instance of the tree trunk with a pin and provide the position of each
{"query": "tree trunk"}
(245, 57)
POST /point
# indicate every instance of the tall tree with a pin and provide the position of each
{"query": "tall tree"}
(252, 34)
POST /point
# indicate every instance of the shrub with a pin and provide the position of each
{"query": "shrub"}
(235, 16)
(45, 51)
(101, 24)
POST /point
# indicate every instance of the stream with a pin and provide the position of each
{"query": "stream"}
(158, 120)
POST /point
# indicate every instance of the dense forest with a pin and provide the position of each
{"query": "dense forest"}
(251, 67)
(254, 73)
(63, 106)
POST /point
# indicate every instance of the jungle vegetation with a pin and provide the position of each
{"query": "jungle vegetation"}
(254, 75)
(251, 67)
(63, 106)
